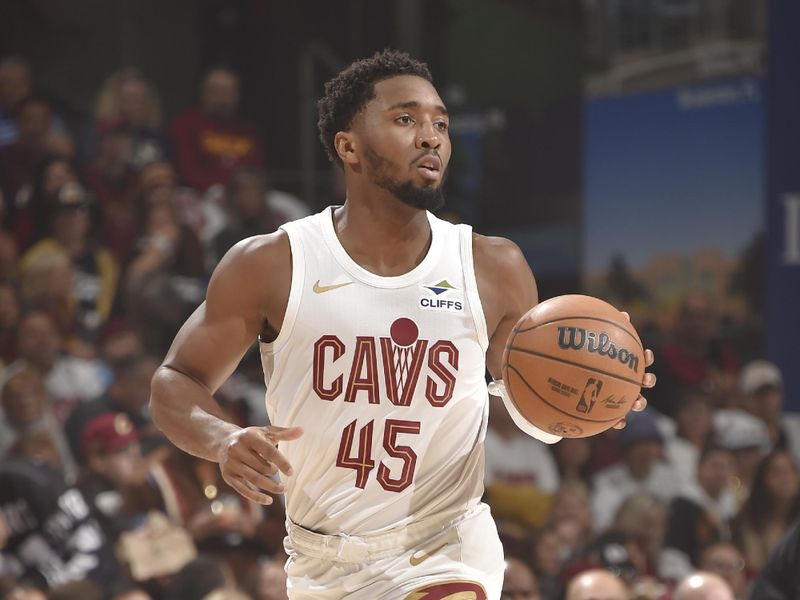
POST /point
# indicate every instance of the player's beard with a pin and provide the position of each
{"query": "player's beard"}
(427, 197)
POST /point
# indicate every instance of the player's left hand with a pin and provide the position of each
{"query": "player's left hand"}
(648, 381)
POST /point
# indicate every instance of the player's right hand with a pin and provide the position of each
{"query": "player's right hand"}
(250, 456)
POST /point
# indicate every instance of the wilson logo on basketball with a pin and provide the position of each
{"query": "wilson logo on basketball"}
(577, 338)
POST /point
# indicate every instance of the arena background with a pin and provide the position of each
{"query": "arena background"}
(643, 151)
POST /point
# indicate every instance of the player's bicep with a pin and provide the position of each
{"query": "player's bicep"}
(213, 340)
(520, 295)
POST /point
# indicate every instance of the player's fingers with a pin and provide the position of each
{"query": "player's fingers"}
(243, 489)
(282, 434)
(257, 480)
(649, 380)
(640, 404)
(627, 315)
(270, 453)
(649, 357)
(620, 424)
(254, 460)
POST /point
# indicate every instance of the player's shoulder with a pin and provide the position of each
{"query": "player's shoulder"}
(259, 249)
(496, 256)
(257, 258)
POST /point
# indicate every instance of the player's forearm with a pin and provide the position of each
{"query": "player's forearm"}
(186, 412)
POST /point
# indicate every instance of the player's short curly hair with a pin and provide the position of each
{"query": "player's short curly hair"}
(348, 92)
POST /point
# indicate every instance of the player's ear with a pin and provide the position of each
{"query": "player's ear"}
(345, 145)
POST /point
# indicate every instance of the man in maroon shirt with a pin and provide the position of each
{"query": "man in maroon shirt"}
(211, 142)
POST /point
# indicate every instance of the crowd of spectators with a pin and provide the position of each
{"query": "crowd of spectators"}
(108, 236)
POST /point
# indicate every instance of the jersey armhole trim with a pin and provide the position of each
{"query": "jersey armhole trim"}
(295, 293)
(471, 283)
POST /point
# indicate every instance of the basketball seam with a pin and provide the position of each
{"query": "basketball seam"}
(617, 325)
(554, 406)
(576, 364)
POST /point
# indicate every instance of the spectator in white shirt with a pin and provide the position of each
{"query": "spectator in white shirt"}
(641, 469)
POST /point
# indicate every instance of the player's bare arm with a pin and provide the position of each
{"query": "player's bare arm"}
(247, 296)
(508, 290)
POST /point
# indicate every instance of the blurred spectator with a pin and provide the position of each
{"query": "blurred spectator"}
(547, 562)
(127, 98)
(15, 86)
(773, 505)
(128, 393)
(51, 175)
(130, 592)
(115, 185)
(780, 577)
(519, 582)
(200, 577)
(518, 469)
(703, 586)
(52, 538)
(247, 211)
(268, 581)
(28, 409)
(18, 162)
(95, 270)
(596, 585)
(85, 589)
(9, 320)
(158, 180)
(695, 356)
(47, 284)
(572, 459)
(249, 207)
(641, 520)
(68, 379)
(115, 468)
(571, 517)
(761, 384)
(193, 494)
(25, 592)
(166, 280)
(702, 513)
(726, 560)
(212, 141)
(641, 469)
(693, 432)
(747, 437)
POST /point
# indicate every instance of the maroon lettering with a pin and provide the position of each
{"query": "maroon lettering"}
(365, 360)
(447, 350)
(404, 373)
(392, 429)
(337, 347)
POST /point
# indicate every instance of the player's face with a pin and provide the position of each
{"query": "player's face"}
(404, 142)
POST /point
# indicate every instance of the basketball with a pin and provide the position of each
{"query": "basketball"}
(573, 366)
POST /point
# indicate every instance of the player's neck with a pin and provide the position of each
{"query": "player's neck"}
(382, 234)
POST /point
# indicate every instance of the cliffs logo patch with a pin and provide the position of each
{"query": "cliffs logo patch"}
(440, 288)
(451, 590)
(445, 296)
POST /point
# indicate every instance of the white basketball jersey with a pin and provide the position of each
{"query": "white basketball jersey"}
(386, 376)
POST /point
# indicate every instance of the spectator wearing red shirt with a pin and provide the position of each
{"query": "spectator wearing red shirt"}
(211, 142)
(115, 185)
(696, 357)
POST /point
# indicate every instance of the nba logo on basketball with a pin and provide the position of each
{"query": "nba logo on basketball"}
(589, 395)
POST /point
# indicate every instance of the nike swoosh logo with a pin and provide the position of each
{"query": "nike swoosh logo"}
(321, 289)
(415, 560)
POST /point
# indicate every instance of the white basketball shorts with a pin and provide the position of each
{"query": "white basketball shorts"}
(459, 557)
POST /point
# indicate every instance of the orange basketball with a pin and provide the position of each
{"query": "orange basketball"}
(573, 366)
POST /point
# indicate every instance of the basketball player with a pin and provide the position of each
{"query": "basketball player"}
(376, 322)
